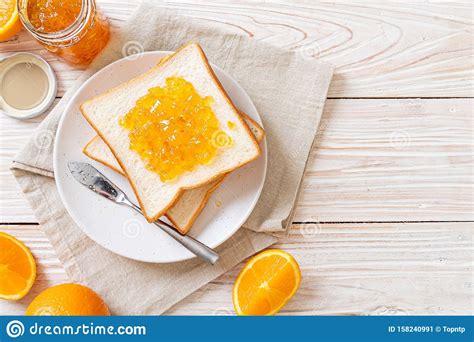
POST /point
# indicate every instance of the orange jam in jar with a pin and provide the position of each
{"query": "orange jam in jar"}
(174, 129)
(75, 30)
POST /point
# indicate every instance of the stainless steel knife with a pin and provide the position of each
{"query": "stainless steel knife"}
(89, 176)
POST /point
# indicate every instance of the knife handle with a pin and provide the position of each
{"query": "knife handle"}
(196, 247)
(193, 245)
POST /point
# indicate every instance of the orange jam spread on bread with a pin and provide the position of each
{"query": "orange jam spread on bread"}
(174, 129)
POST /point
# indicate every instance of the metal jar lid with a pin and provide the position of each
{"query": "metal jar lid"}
(28, 85)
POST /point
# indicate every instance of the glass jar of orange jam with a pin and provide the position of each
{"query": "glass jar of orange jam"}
(75, 30)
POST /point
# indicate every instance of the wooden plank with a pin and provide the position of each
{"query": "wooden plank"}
(408, 49)
(348, 269)
(391, 160)
(384, 160)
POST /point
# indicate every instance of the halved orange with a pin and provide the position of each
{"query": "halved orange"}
(266, 283)
(10, 23)
(17, 268)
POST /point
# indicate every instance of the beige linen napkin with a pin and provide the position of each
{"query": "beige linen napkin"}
(289, 92)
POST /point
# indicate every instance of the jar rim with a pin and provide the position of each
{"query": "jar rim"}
(68, 32)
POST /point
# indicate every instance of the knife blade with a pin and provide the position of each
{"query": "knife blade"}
(90, 177)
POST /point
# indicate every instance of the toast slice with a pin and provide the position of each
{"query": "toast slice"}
(187, 208)
(155, 196)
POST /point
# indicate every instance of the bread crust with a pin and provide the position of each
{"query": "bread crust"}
(153, 218)
(185, 229)
(85, 150)
(255, 124)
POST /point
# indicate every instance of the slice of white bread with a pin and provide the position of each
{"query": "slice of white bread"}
(187, 208)
(104, 111)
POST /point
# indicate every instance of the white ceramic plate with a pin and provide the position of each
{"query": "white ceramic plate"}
(118, 228)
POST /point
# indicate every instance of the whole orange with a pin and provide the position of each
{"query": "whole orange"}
(68, 300)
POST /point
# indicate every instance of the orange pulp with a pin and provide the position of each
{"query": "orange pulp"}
(10, 23)
(266, 283)
(17, 268)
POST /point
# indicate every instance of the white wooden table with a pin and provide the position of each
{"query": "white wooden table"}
(384, 224)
